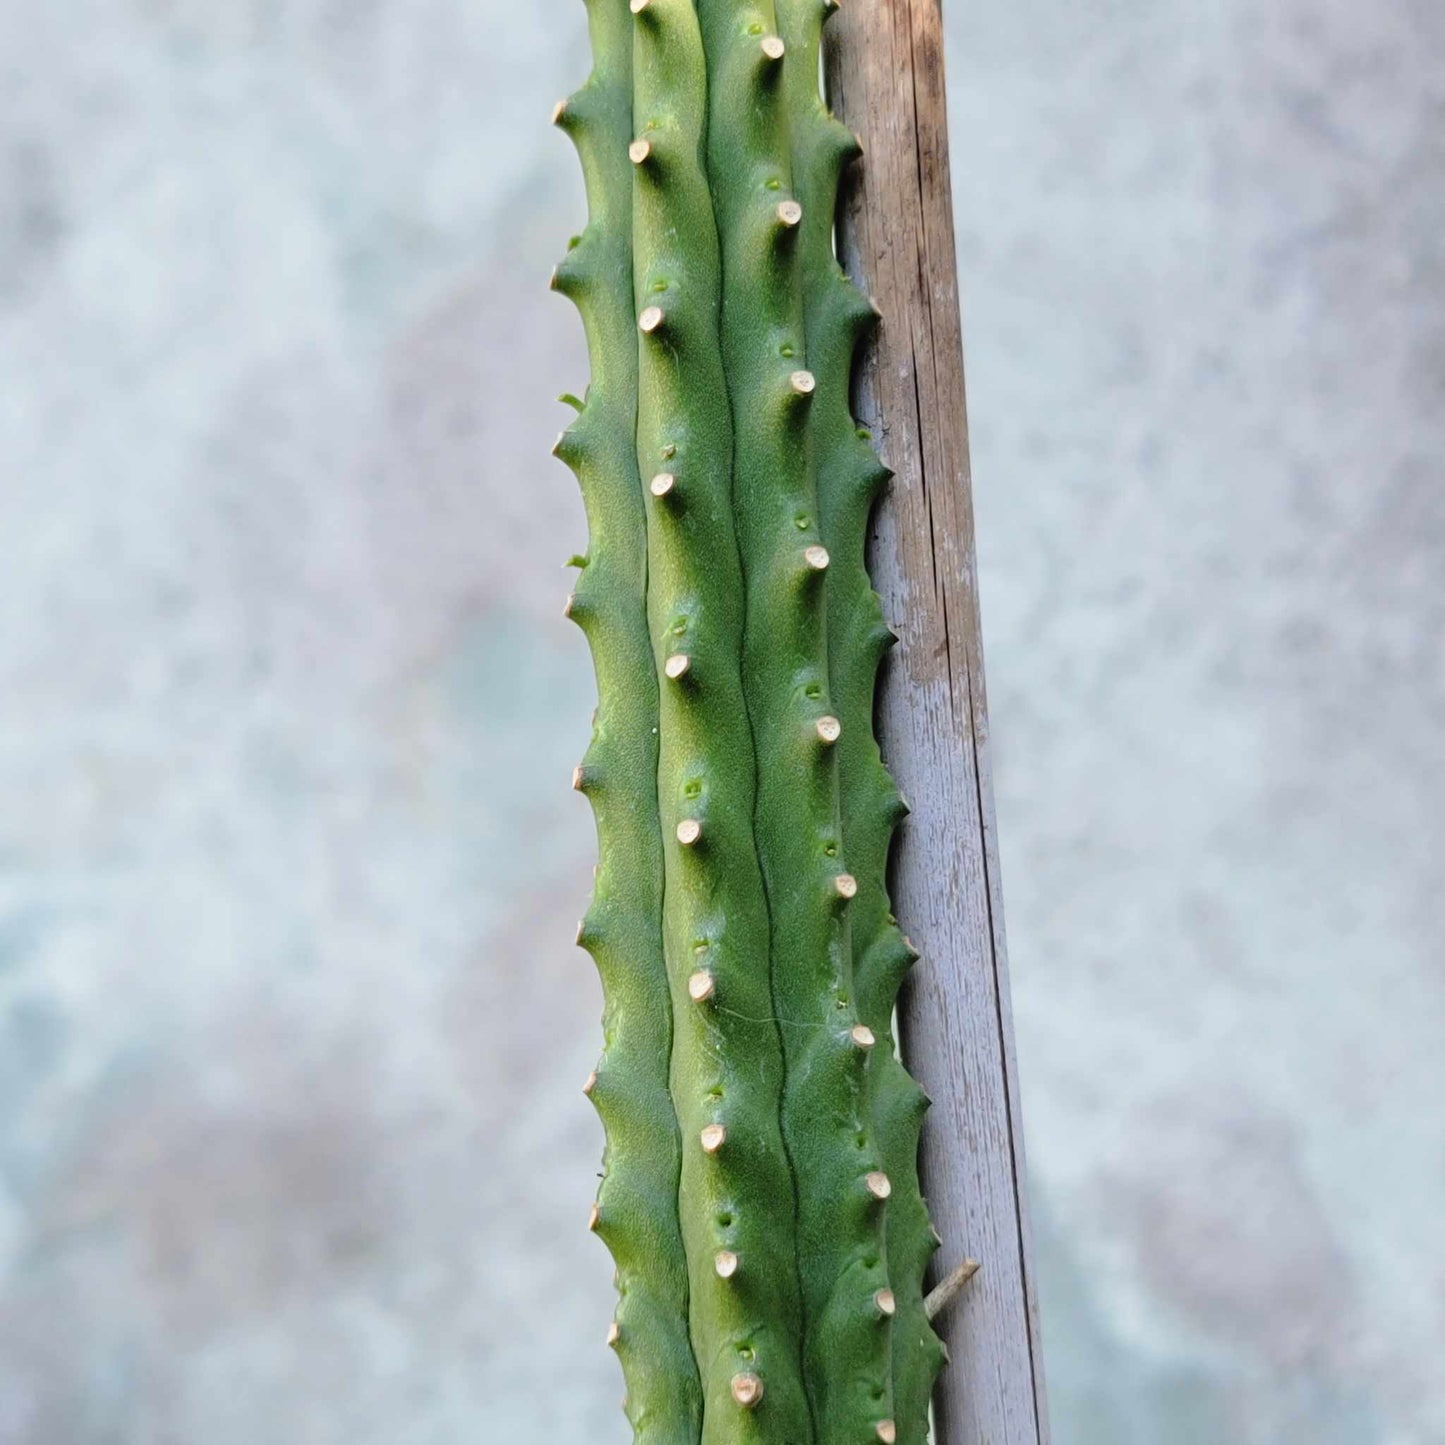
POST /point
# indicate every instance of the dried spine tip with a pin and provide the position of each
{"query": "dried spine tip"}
(700, 986)
(638, 6)
(558, 111)
(676, 666)
(688, 832)
(650, 319)
(879, 1184)
(817, 558)
(847, 885)
(567, 605)
(863, 1036)
(790, 213)
(803, 382)
(662, 484)
(639, 151)
(887, 1432)
(614, 1333)
(885, 1303)
(594, 1218)
(579, 778)
(591, 1083)
(829, 729)
(726, 1264)
(747, 1390)
(713, 1138)
(773, 47)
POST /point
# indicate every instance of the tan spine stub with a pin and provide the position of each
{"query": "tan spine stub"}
(747, 1390)
(713, 1138)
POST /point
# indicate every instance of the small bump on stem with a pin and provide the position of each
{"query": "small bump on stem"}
(885, 1303)
(713, 1138)
(701, 986)
(747, 1390)
(829, 730)
(879, 1185)
(847, 885)
(726, 1263)
(887, 1432)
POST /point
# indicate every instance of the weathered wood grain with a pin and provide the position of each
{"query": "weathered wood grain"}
(886, 80)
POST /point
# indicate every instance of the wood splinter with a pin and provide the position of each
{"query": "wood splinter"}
(942, 1295)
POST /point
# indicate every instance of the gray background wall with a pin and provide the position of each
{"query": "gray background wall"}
(291, 1029)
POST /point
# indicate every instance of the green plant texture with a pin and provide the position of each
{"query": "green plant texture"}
(760, 1191)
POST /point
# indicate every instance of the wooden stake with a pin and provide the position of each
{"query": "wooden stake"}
(944, 1292)
(884, 66)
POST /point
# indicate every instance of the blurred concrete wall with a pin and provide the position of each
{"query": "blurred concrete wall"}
(291, 1029)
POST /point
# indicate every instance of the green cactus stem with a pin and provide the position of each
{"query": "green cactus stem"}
(798, 830)
(737, 1199)
(761, 1191)
(851, 481)
(636, 1212)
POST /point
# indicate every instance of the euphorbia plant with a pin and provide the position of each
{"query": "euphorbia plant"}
(760, 1191)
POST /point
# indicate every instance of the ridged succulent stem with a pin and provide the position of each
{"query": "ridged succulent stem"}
(851, 479)
(801, 845)
(636, 1212)
(737, 1202)
(760, 1191)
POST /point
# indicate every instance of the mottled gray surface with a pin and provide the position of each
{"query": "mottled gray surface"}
(291, 1029)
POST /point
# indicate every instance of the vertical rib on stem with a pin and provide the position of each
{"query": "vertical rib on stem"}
(636, 1212)
(851, 479)
(737, 1207)
(803, 850)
